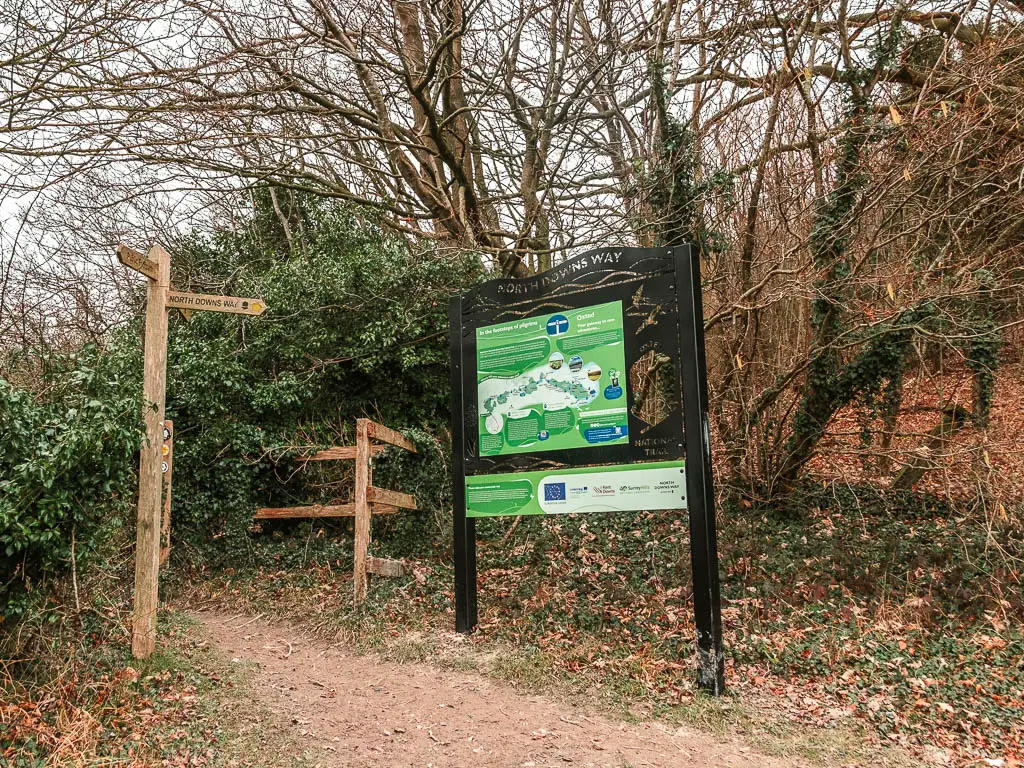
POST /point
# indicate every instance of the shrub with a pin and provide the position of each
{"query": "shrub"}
(356, 326)
(66, 465)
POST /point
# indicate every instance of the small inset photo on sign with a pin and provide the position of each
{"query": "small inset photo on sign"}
(494, 423)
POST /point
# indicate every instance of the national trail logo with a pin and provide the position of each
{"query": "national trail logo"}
(554, 491)
(557, 325)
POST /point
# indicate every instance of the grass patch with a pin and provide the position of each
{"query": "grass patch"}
(183, 706)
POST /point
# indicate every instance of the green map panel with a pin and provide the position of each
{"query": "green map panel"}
(552, 382)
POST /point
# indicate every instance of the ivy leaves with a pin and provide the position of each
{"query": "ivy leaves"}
(67, 462)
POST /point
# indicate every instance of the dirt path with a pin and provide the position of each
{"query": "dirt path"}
(359, 711)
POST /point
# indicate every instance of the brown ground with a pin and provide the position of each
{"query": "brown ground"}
(353, 710)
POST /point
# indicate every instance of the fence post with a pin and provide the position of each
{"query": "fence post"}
(362, 509)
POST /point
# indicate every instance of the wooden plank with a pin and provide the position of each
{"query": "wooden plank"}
(135, 260)
(381, 566)
(167, 468)
(394, 498)
(154, 381)
(319, 510)
(315, 510)
(362, 504)
(388, 435)
(342, 452)
(209, 302)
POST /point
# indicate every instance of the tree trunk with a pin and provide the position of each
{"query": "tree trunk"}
(953, 420)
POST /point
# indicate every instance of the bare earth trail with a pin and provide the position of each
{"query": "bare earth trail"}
(353, 710)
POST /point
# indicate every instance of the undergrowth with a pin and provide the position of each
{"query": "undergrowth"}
(896, 613)
(80, 699)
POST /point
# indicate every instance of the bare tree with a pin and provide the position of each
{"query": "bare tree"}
(851, 170)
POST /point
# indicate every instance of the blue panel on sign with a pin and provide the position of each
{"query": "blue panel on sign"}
(554, 491)
(557, 325)
(604, 434)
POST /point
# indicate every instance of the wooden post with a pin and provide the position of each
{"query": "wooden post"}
(953, 419)
(167, 467)
(362, 505)
(147, 543)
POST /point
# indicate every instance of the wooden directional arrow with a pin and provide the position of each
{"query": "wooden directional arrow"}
(135, 260)
(202, 301)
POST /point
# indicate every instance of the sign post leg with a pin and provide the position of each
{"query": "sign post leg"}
(147, 544)
(471, 612)
(699, 489)
(464, 529)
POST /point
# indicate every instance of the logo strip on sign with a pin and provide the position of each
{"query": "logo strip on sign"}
(625, 488)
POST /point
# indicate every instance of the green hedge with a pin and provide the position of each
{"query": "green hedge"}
(66, 469)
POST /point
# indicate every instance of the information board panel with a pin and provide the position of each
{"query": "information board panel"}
(552, 382)
(571, 389)
(654, 486)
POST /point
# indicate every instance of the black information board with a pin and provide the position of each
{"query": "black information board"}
(545, 419)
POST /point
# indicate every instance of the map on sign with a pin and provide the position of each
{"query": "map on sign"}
(552, 382)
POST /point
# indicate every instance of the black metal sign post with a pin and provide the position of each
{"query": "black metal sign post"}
(464, 534)
(707, 605)
(657, 293)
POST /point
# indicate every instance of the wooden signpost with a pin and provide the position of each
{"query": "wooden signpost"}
(156, 266)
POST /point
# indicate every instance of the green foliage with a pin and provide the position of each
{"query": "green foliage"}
(426, 533)
(66, 462)
(356, 326)
(868, 593)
